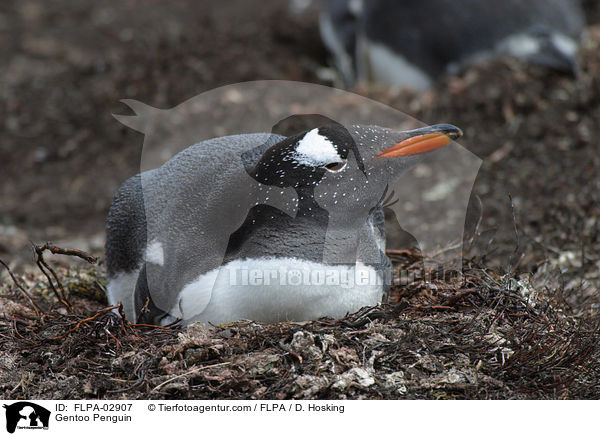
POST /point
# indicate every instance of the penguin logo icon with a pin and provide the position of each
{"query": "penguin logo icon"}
(26, 415)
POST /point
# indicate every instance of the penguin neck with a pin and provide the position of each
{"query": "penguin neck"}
(307, 205)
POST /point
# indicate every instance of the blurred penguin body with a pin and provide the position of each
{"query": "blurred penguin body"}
(411, 43)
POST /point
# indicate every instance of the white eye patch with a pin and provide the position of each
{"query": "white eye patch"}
(521, 45)
(316, 150)
(564, 44)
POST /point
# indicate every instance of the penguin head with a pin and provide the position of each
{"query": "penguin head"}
(543, 46)
(301, 161)
(348, 168)
(385, 154)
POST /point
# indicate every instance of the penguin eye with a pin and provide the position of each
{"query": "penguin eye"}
(334, 167)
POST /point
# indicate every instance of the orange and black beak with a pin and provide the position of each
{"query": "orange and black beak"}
(423, 140)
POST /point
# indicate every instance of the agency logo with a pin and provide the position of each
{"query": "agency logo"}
(26, 415)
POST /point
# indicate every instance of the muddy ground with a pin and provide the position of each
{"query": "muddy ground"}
(523, 324)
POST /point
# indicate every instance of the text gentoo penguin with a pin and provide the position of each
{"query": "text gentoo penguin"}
(410, 43)
(198, 239)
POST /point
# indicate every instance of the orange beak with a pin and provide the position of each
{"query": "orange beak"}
(423, 140)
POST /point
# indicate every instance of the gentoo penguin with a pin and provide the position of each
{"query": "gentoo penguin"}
(412, 42)
(189, 241)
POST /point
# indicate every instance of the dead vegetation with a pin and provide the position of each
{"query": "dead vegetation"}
(486, 336)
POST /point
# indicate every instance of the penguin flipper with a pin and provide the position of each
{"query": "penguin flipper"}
(125, 242)
(126, 228)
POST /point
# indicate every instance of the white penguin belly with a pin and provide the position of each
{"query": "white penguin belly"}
(278, 289)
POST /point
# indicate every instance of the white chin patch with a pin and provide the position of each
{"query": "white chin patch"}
(316, 150)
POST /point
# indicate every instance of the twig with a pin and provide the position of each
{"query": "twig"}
(20, 385)
(364, 316)
(477, 225)
(446, 249)
(392, 252)
(152, 326)
(454, 298)
(514, 219)
(69, 252)
(43, 266)
(126, 324)
(22, 289)
(91, 318)
(435, 307)
(188, 373)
